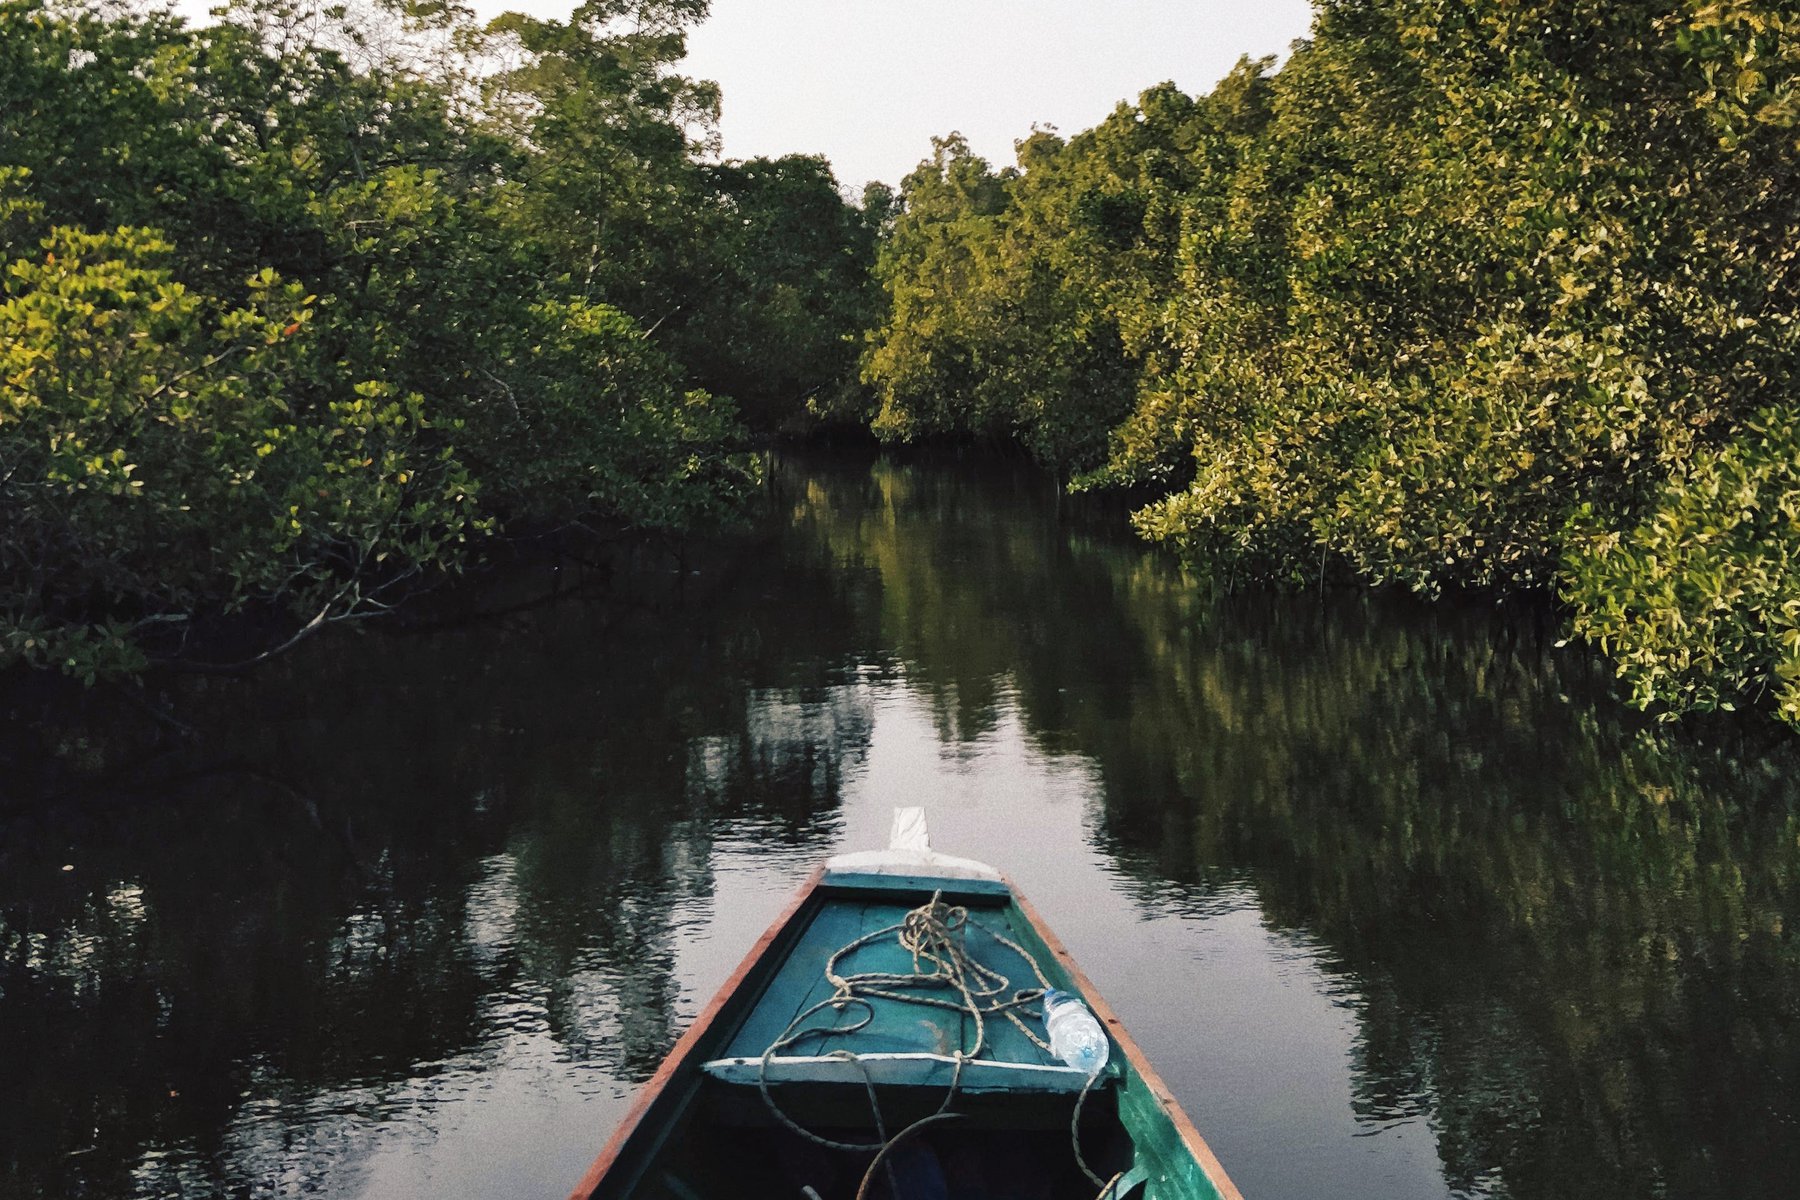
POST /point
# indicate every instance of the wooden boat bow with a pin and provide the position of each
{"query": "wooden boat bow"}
(719, 1084)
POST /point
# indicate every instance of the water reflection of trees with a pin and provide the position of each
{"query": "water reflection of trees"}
(1569, 932)
(446, 842)
(1567, 935)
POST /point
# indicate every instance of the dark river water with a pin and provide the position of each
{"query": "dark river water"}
(1397, 898)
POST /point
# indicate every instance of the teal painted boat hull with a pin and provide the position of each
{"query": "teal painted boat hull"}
(703, 1128)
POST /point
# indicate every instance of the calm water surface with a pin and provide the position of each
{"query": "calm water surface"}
(1397, 898)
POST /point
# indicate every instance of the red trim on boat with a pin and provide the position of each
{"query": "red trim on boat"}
(684, 1049)
(1184, 1127)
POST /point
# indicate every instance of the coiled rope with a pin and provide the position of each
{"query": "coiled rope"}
(936, 936)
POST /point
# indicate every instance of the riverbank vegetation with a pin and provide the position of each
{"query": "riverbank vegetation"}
(1484, 295)
(306, 305)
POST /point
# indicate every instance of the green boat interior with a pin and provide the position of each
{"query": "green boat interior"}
(856, 936)
(969, 1157)
(847, 1016)
(887, 1038)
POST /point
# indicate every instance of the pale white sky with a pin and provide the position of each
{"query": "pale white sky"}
(867, 83)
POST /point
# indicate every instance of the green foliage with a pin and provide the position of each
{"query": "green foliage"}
(989, 334)
(595, 420)
(615, 182)
(791, 291)
(301, 304)
(1749, 54)
(152, 460)
(1699, 600)
(1399, 311)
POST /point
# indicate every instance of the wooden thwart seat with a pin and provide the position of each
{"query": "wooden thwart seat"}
(904, 1069)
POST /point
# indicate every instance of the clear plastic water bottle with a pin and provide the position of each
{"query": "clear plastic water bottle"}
(1075, 1035)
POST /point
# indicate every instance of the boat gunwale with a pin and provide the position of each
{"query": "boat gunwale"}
(1165, 1099)
(687, 1046)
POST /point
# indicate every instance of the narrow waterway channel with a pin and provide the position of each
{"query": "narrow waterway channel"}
(1398, 899)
